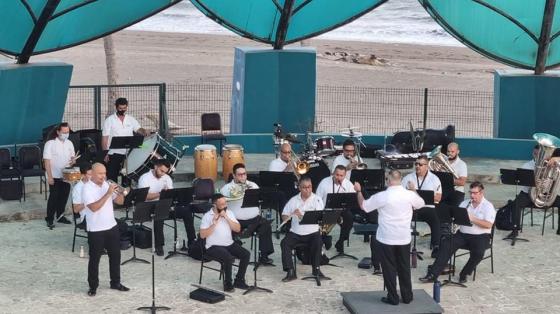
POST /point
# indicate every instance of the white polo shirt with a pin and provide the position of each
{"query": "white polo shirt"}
(277, 165)
(429, 183)
(155, 185)
(222, 232)
(113, 126)
(530, 165)
(327, 186)
(104, 218)
(313, 202)
(485, 211)
(460, 168)
(59, 153)
(77, 199)
(235, 206)
(341, 160)
(395, 206)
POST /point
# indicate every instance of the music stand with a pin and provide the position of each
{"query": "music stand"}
(342, 201)
(320, 217)
(447, 184)
(136, 197)
(176, 196)
(373, 179)
(158, 210)
(428, 197)
(126, 142)
(278, 182)
(517, 177)
(253, 198)
(458, 216)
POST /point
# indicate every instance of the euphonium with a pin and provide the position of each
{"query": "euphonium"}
(237, 190)
(547, 171)
(440, 162)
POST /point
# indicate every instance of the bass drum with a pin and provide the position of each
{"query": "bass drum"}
(231, 154)
(139, 160)
(205, 162)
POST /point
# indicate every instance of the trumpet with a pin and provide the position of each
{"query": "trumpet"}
(120, 189)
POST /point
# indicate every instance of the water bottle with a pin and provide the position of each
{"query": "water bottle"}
(82, 253)
(436, 290)
(269, 215)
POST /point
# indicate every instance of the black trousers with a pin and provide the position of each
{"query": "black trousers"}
(313, 241)
(346, 225)
(58, 197)
(226, 255)
(475, 243)
(429, 216)
(109, 240)
(264, 231)
(395, 261)
(182, 212)
(522, 200)
(372, 218)
(114, 166)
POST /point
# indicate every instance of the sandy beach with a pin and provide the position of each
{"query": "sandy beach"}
(146, 57)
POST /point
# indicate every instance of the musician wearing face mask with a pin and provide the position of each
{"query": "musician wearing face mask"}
(249, 217)
(348, 159)
(338, 183)
(423, 179)
(475, 238)
(58, 154)
(118, 124)
(460, 168)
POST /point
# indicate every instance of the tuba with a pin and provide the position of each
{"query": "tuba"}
(547, 171)
(439, 162)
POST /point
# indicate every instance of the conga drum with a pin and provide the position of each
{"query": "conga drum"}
(205, 162)
(231, 154)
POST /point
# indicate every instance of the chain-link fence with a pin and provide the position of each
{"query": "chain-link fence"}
(176, 108)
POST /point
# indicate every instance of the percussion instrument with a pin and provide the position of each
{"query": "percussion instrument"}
(397, 161)
(231, 154)
(139, 160)
(205, 162)
(71, 174)
(325, 146)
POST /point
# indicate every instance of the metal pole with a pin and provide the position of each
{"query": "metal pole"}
(37, 31)
(544, 40)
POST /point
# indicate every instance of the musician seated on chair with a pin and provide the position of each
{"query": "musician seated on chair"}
(338, 183)
(249, 218)
(460, 168)
(216, 228)
(296, 207)
(283, 162)
(348, 159)
(475, 238)
(424, 179)
(78, 206)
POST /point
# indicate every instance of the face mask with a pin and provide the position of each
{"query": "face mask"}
(120, 112)
(63, 136)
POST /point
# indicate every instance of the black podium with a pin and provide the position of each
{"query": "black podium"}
(517, 177)
(177, 196)
(342, 202)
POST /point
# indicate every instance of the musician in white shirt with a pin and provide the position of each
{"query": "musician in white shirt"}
(348, 158)
(392, 244)
(460, 168)
(308, 234)
(283, 162)
(338, 183)
(77, 204)
(475, 238)
(249, 218)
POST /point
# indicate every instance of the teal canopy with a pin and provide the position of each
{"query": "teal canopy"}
(520, 33)
(280, 22)
(30, 27)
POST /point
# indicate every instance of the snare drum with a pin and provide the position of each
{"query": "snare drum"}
(231, 154)
(139, 160)
(71, 174)
(205, 162)
(325, 146)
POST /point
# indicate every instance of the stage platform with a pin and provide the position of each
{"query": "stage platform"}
(366, 302)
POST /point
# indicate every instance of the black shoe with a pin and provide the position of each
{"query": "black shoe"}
(119, 287)
(435, 251)
(317, 272)
(265, 260)
(386, 300)
(427, 279)
(63, 220)
(159, 251)
(339, 246)
(407, 301)
(558, 231)
(92, 291)
(462, 278)
(228, 287)
(50, 223)
(377, 271)
(290, 275)
(327, 240)
(241, 284)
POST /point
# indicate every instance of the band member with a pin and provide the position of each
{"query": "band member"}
(475, 238)
(103, 233)
(77, 204)
(157, 180)
(283, 162)
(348, 158)
(118, 124)
(296, 207)
(460, 168)
(423, 179)
(216, 227)
(392, 244)
(58, 153)
(249, 217)
(338, 183)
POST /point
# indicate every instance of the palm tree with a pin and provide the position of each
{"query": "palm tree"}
(112, 73)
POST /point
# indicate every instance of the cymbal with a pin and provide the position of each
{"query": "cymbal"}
(351, 134)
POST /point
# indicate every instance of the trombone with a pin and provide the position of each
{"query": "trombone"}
(299, 167)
